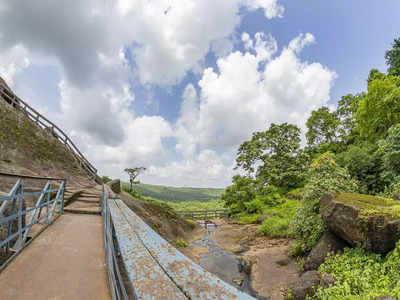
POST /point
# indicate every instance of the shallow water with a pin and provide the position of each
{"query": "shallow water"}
(222, 263)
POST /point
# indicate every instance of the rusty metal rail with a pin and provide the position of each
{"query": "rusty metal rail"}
(157, 270)
(46, 124)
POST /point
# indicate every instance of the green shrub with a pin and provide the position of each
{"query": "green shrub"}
(181, 243)
(275, 226)
(254, 206)
(361, 275)
(323, 176)
(278, 224)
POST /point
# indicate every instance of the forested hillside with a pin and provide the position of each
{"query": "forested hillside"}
(354, 148)
(177, 194)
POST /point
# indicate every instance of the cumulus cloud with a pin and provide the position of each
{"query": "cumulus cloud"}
(249, 91)
(88, 41)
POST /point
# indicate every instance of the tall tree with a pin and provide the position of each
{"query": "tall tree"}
(393, 58)
(274, 156)
(322, 127)
(133, 174)
(379, 109)
(345, 114)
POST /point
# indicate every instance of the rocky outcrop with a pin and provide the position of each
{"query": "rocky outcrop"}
(306, 285)
(385, 298)
(115, 185)
(365, 221)
(328, 243)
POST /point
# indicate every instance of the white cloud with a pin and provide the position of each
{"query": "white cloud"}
(13, 61)
(246, 93)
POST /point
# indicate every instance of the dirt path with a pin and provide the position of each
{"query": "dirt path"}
(272, 269)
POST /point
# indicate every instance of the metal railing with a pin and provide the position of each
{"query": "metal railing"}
(14, 230)
(46, 124)
(203, 214)
(117, 287)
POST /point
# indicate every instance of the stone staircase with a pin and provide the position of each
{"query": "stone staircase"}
(83, 200)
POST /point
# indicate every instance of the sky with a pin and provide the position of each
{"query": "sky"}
(176, 86)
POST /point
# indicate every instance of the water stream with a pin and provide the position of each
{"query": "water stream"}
(222, 263)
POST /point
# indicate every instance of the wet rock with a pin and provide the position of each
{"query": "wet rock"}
(238, 281)
(327, 280)
(263, 217)
(328, 243)
(115, 185)
(284, 262)
(361, 220)
(306, 285)
(385, 298)
(244, 265)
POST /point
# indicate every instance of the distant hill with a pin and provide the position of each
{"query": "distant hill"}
(181, 194)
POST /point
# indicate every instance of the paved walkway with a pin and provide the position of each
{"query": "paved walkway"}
(67, 261)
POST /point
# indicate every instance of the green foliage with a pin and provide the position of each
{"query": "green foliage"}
(322, 127)
(362, 276)
(364, 163)
(105, 179)
(278, 224)
(277, 155)
(179, 194)
(324, 175)
(392, 57)
(390, 149)
(379, 109)
(345, 114)
(181, 243)
(239, 194)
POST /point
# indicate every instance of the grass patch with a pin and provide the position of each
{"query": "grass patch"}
(278, 225)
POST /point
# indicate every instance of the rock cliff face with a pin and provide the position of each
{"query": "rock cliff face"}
(372, 223)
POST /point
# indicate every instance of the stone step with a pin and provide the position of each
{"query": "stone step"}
(87, 211)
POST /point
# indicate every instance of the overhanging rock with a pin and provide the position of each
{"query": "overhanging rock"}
(370, 222)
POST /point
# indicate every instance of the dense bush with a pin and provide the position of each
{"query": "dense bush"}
(362, 276)
(278, 223)
(324, 175)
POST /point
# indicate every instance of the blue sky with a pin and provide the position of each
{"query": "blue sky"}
(177, 86)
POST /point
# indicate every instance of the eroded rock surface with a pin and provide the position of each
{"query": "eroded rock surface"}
(306, 285)
(365, 221)
(328, 243)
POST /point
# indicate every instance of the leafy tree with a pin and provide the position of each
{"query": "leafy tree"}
(105, 179)
(392, 57)
(345, 114)
(322, 127)
(274, 156)
(379, 109)
(390, 149)
(239, 194)
(324, 175)
(133, 174)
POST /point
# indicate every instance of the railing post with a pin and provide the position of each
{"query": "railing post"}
(62, 197)
(20, 243)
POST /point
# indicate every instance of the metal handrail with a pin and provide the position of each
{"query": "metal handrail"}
(16, 240)
(115, 281)
(45, 123)
(31, 176)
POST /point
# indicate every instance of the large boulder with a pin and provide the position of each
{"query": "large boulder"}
(115, 185)
(306, 285)
(370, 222)
(328, 243)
